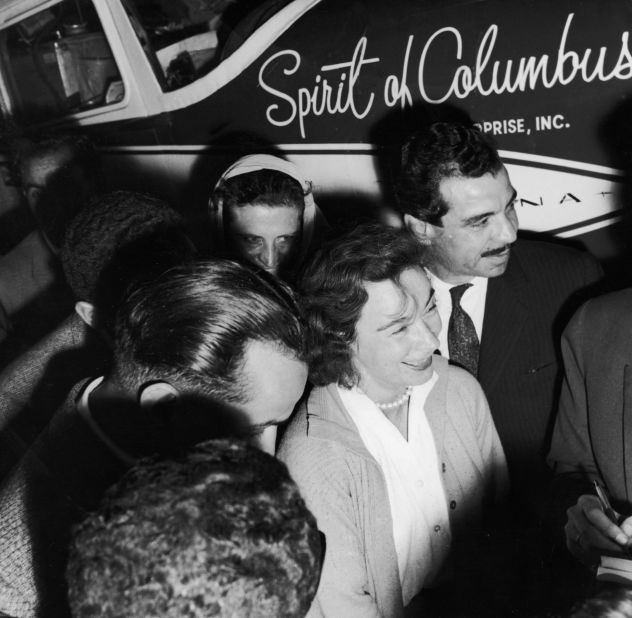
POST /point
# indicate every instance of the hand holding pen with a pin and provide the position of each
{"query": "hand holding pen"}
(612, 515)
(594, 528)
(604, 501)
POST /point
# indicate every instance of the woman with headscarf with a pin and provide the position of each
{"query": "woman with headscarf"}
(262, 210)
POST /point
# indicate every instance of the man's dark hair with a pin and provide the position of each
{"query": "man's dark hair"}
(75, 178)
(333, 293)
(191, 326)
(104, 228)
(138, 261)
(221, 531)
(83, 148)
(443, 150)
(261, 187)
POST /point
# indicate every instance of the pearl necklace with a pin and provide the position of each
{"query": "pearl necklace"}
(397, 402)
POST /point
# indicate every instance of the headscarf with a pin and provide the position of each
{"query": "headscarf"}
(313, 218)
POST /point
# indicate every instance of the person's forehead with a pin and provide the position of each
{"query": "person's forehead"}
(265, 218)
(467, 196)
(387, 299)
(274, 379)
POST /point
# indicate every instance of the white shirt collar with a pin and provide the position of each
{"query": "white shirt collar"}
(473, 303)
(83, 408)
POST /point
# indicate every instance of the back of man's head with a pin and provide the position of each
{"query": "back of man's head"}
(58, 175)
(191, 327)
(33, 148)
(221, 531)
(111, 223)
(442, 150)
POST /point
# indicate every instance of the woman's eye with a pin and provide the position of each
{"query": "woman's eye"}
(401, 329)
(251, 240)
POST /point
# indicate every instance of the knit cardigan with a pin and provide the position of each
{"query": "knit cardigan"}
(344, 487)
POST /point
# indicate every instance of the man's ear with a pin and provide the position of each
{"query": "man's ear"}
(423, 231)
(87, 312)
(156, 392)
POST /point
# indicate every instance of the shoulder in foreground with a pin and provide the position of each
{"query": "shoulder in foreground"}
(542, 252)
(613, 306)
(299, 436)
(460, 379)
(310, 457)
(70, 334)
(319, 432)
(457, 378)
(459, 395)
(296, 429)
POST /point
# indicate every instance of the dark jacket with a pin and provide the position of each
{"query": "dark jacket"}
(593, 432)
(520, 367)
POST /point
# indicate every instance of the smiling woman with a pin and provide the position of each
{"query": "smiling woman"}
(395, 450)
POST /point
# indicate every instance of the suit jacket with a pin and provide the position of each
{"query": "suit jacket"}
(519, 365)
(35, 384)
(62, 475)
(593, 431)
(34, 295)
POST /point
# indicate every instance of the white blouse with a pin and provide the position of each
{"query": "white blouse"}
(419, 510)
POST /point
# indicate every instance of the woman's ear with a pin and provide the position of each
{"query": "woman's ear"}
(154, 393)
(87, 312)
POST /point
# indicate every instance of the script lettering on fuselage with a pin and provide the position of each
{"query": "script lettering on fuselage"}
(336, 87)
(326, 96)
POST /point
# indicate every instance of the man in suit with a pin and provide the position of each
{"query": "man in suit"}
(592, 438)
(502, 300)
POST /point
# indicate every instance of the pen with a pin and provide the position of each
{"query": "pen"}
(610, 512)
(605, 503)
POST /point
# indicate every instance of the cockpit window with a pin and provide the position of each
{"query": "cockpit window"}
(58, 62)
(186, 39)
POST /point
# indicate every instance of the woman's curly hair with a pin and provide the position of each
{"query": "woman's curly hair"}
(332, 293)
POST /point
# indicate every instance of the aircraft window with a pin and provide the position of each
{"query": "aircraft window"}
(58, 62)
(186, 39)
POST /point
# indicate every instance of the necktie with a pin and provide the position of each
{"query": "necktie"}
(463, 342)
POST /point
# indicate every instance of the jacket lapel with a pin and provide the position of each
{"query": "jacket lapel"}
(626, 433)
(505, 315)
(609, 420)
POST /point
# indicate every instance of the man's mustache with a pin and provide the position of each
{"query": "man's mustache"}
(497, 251)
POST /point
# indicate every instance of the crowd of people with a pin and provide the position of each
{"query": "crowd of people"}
(386, 421)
